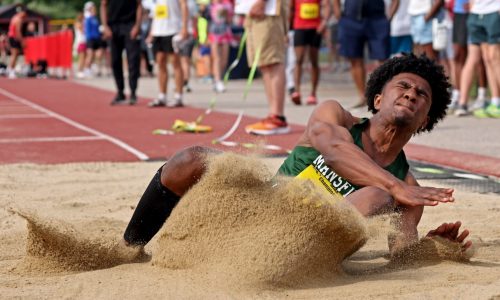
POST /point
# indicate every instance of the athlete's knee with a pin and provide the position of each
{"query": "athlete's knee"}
(185, 168)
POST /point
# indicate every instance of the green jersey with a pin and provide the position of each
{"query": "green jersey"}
(308, 163)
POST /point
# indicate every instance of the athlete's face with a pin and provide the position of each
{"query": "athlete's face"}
(407, 99)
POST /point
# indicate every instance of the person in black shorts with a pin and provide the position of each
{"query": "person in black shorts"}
(406, 95)
(309, 21)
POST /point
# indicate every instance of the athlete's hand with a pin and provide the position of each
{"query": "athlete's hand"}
(450, 231)
(421, 195)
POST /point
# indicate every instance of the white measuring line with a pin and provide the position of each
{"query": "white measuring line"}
(51, 139)
(82, 127)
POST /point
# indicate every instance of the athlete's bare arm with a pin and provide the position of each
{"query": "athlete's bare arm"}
(328, 132)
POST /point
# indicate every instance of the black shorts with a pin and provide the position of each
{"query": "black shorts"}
(94, 44)
(163, 44)
(15, 43)
(460, 29)
(306, 37)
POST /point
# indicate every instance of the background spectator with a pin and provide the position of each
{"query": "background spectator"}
(122, 22)
(401, 41)
(268, 33)
(362, 22)
(310, 18)
(16, 40)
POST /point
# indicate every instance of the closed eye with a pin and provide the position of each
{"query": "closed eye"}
(404, 84)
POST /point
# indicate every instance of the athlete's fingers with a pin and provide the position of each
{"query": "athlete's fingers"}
(441, 229)
(454, 230)
(463, 236)
(467, 245)
(437, 195)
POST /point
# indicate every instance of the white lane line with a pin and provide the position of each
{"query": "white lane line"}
(51, 139)
(25, 116)
(70, 122)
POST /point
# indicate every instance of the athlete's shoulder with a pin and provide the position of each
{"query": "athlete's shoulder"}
(331, 111)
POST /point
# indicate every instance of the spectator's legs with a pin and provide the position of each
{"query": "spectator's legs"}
(133, 48)
(491, 58)
(290, 64)
(274, 83)
(161, 63)
(459, 56)
(14, 54)
(215, 51)
(299, 61)
(427, 50)
(315, 71)
(178, 75)
(117, 46)
(358, 75)
(186, 69)
(473, 58)
(90, 58)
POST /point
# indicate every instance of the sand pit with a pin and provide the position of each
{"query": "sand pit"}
(244, 244)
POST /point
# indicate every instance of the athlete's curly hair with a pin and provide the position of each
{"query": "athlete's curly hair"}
(421, 66)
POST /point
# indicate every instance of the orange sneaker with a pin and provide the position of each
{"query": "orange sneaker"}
(268, 126)
(312, 100)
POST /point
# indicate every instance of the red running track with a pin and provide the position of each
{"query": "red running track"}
(56, 121)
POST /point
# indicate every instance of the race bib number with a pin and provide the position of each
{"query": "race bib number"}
(161, 11)
(309, 11)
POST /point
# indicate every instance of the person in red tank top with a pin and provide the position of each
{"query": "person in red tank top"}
(309, 20)
(15, 38)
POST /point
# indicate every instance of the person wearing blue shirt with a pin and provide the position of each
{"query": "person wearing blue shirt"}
(92, 36)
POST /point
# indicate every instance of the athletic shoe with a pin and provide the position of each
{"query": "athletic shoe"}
(132, 100)
(268, 126)
(291, 90)
(80, 75)
(219, 87)
(158, 103)
(187, 88)
(453, 106)
(119, 100)
(175, 103)
(12, 74)
(479, 104)
(296, 99)
(312, 100)
(462, 111)
(492, 111)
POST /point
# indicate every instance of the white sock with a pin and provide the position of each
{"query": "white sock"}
(455, 95)
(481, 93)
(161, 96)
(178, 96)
(495, 101)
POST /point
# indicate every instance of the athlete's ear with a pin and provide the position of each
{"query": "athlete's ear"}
(424, 123)
(377, 101)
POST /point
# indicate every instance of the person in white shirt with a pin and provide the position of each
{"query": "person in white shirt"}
(401, 41)
(170, 18)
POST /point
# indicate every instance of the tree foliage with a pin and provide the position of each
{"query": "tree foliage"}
(56, 9)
